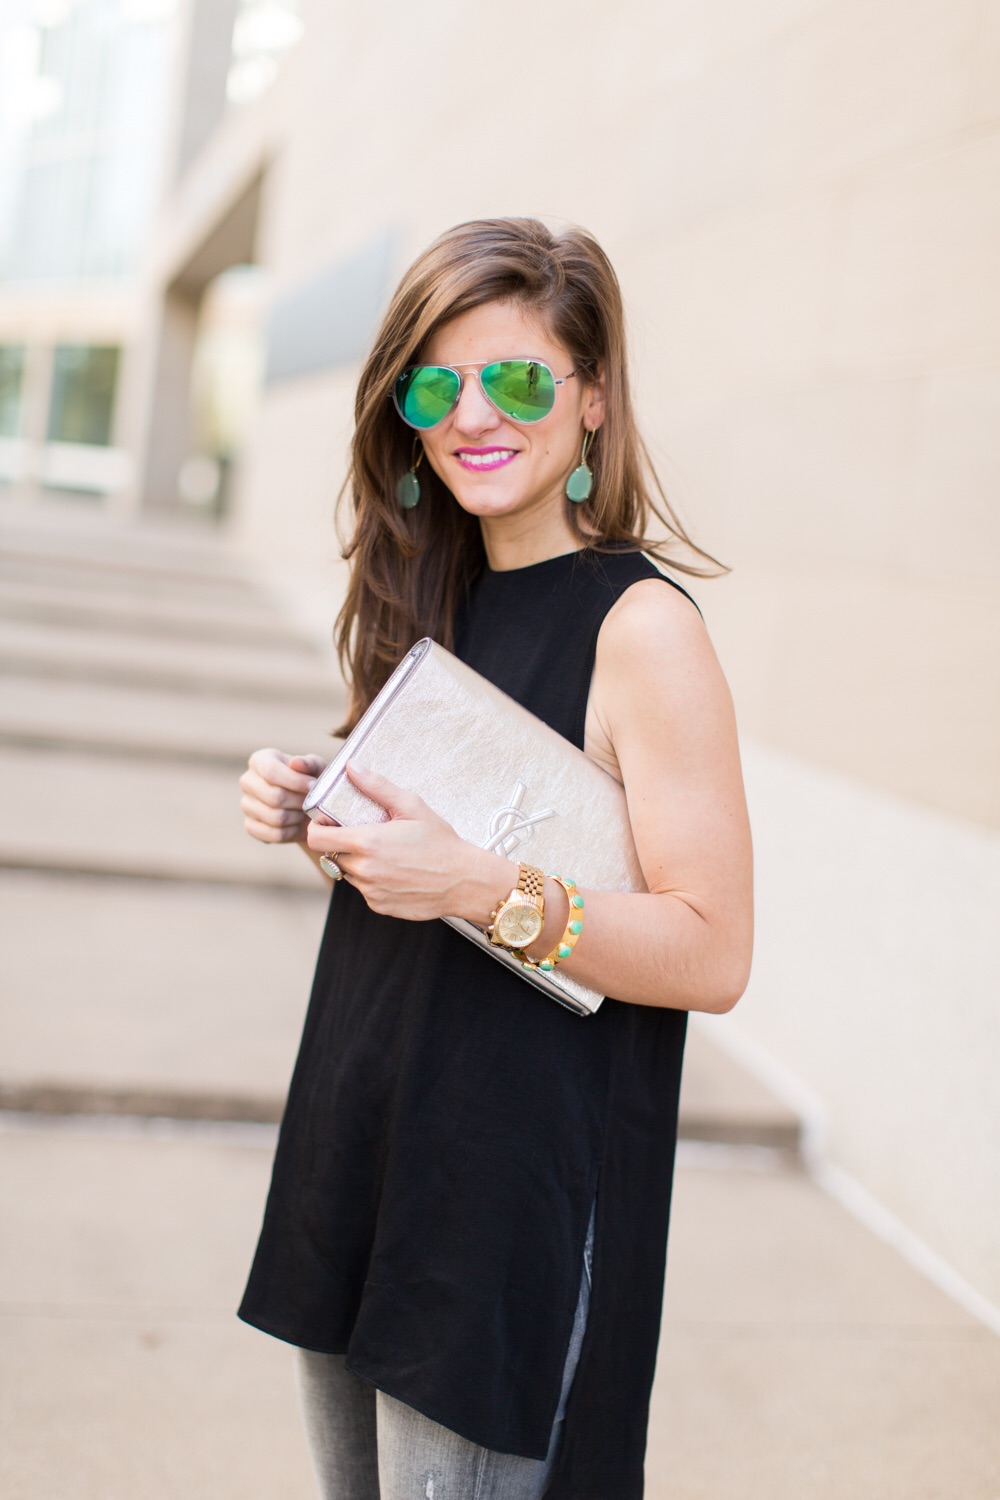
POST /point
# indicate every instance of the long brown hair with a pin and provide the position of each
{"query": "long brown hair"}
(412, 569)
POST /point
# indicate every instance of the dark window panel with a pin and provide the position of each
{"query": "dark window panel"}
(84, 377)
(11, 377)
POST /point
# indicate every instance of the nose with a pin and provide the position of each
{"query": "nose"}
(474, 414)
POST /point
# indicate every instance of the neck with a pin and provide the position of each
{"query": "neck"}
(519, 541)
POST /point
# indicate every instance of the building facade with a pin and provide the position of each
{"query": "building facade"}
(104, 106)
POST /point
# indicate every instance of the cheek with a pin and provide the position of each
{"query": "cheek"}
(434, 451)
(559, 449)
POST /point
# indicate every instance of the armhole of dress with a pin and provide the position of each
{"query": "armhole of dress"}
(667, 579)
(580, 711)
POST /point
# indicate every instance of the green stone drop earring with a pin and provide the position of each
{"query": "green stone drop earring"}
(581, 481)
(408, 485)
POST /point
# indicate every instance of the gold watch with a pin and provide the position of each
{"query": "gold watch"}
(517, 922)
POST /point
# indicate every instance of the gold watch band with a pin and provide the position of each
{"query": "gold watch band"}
(530, 889)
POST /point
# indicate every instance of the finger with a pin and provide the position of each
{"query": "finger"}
(309, 765)
(327, 841)
(397, 802)
(274, 817)
(360, 840)
(265, 832)
(255, 785)
(275, 767)
(330, 838)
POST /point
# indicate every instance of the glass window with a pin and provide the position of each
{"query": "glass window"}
(83, 393)
(264, 30)
(84, 105)
(11, 375)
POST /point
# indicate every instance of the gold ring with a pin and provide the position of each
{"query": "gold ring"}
(330, 865)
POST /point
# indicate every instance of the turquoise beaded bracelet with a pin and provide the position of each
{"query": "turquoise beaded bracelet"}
(569, 939)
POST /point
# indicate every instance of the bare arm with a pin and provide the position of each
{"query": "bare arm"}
(661, 716)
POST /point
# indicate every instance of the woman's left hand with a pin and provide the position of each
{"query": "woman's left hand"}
(415, 865)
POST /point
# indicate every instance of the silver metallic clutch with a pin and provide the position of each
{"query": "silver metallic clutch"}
(499, 776)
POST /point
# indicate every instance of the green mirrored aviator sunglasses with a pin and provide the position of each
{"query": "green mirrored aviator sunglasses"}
(522, 389)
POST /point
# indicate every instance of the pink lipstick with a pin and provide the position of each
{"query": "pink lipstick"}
(476, 460)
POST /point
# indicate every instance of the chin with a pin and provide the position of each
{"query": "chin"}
(478, 502)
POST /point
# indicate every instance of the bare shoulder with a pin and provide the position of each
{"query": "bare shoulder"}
(652, 610)
(653, 633)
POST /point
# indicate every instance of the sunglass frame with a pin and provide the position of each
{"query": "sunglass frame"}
(456, 370)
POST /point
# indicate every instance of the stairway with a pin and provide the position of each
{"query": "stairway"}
(139, 665)
(157, 960)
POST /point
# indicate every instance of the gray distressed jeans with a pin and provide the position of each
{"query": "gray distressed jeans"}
(365, 1445)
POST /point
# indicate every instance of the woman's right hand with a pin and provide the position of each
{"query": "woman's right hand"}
(274, 786)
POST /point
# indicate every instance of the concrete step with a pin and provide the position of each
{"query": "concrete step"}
(154, 998)
(93, 814)
(158, 1081)
(105, 575)
(168, 727)
(187, 1001)
(253, 623)
(70, 535)
(282, 672)
(721, 1102)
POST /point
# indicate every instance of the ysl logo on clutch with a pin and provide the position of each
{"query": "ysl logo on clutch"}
(507, 826)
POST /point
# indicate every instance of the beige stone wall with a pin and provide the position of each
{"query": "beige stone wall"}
(802, 198)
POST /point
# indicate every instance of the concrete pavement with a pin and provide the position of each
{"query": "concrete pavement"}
(799, 1358)
(802, 1359)
(155, 967)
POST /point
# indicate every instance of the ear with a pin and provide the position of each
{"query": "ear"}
(594, 406)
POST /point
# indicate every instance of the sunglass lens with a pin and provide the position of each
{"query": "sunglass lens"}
(426, 394)
(522, 389)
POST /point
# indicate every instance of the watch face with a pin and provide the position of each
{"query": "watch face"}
(519, 926)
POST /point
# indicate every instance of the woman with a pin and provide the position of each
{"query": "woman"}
(466, 1229)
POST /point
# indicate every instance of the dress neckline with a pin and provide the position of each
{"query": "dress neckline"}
(561, 559)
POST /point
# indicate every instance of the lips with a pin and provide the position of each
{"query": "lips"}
(480, 460)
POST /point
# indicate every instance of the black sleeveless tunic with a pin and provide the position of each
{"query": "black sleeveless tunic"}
(448, 1125)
